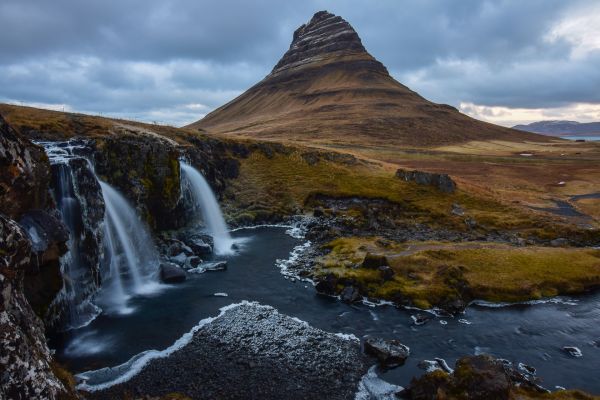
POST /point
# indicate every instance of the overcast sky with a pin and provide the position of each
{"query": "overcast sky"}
(505, 61)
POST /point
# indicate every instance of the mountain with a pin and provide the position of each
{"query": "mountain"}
(327, 88)
(558, 128)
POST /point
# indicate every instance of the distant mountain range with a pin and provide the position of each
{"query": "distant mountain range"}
(560, 128)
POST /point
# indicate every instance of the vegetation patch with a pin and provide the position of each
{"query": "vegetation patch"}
(449, 275)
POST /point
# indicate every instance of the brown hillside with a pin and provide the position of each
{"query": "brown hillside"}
(327, 88)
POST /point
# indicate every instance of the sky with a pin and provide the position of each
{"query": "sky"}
(171, 62)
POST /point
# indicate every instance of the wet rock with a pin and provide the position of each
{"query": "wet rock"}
(215, 266)
(350, 294)
(479, 378)
(193, 261)
(389, 353)
(327, 285)
(170, 273)
(442, 182)
(199, 246)
(573, 351)
(48, 236)
(24, 356)
(178, 247)
(420, 319)
(180, 259)
(374, 261)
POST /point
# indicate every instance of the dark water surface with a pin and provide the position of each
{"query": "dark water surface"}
(531, 334)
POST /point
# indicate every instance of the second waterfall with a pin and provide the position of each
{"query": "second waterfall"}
(206, 203)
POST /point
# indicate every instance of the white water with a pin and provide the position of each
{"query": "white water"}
(131, 260)
(205, 200)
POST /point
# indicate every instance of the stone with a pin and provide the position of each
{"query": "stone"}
(350, 295)
(199, 247)
(387, 273)
(389, 353)
(48, 235)
(560, 242)
(374, 261)
(215, 266)
(327, 285)
(170, 273)
(457, 210)
(442, 182)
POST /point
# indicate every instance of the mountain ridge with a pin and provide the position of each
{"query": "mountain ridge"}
(560, 127)
(327, 88)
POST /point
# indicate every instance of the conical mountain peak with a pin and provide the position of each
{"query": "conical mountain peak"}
(325, 37)
(328, 89)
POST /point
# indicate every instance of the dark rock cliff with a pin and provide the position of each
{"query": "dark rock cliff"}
(24, 173)
(145, 169)
(25, 359)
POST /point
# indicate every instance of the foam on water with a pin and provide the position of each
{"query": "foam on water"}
(372, 387)
(106, 377)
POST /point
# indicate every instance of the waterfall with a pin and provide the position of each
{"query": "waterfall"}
(79, 283)
(130, 259)
(206, 202)
(108, 243)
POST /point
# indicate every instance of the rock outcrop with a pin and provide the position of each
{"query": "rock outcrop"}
(442, 182)
(24, 356)
(144, 168)
(24, 173)
(481, 378)
(25, 359)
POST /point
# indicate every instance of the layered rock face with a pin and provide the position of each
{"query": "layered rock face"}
(328, 88)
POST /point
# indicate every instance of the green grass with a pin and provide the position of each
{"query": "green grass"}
(446, 272)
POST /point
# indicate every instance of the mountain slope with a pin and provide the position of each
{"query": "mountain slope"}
(328, 88)
(561, 128)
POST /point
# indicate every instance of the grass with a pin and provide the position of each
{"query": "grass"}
(434, 274)
(285, 183)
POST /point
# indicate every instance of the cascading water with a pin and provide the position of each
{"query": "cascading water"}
(79, 279)
(107, 242)
(130, 258)
(206, 202)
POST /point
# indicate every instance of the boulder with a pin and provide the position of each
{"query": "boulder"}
(350, 294)
(215, 266)
(560, 242)
(389, 353)
(327, 285)
(374, 261)
(476, 378)
(387, 273)
(170, 273)
(442, 182)
(199, 246)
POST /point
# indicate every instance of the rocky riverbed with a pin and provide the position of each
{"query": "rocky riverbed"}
(253, 351)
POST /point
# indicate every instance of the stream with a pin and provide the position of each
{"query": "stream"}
(530, 334)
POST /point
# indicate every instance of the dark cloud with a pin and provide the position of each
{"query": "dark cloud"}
(178, 59)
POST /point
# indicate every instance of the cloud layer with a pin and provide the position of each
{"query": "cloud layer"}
(174, 61)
